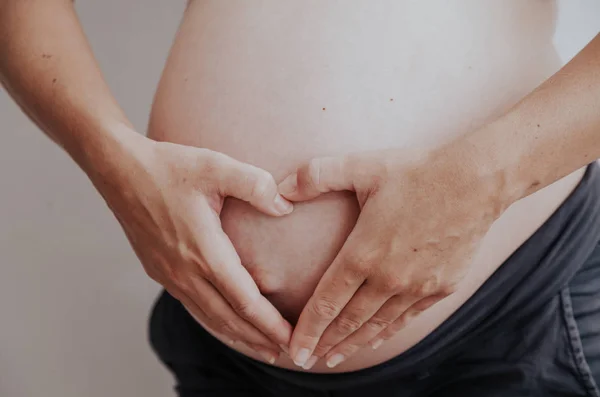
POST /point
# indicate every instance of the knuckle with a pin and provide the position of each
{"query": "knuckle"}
(186, 289)
(394, 284)
(325, 308)
(207, 271)
(309, 175)
(175, 278)
(403, 320)
(226, 326)
(347, 324)
(412, 314)
(322, 349)
(259, 183)
(313, 173)
(447, 289)
(362, 262)
(426, 303)
(246, 309)
(208, 163)
(377, 324)
(393, 328)
(425, 288)
(347, 348)
(163, 269)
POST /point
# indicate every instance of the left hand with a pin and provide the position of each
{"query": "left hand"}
(422, 217)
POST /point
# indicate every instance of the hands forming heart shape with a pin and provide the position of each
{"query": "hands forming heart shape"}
(422, 216)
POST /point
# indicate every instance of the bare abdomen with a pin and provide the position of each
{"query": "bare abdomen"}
(276, 83)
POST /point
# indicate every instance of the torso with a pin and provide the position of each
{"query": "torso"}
(275, 83)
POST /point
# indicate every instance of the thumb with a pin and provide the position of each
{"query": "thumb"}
(320, 175)
(251, 184)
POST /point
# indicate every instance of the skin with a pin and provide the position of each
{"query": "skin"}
(348, 77)
(167, 197)
(47, 63)
(450, 198)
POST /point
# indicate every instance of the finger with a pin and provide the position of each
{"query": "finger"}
(251, 184)
(385, 316)
(225, 272)
(269, 355)
(339, 283)
(406, 317)
(320, 175)
(226, 327)
(217, 316)
(220, 311)
(363, 305)
(199, 315)
(311, 362)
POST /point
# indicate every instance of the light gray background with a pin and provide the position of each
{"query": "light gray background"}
(73, 298)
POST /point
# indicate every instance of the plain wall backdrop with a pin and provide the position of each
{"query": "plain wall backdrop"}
(74, 300)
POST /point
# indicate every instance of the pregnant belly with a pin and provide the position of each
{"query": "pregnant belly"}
(275, 83)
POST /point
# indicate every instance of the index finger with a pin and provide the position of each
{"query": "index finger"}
(337, 287)
(225, 271)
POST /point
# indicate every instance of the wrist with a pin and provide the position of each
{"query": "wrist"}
(111, 155)
(497, 162)
(486, 166)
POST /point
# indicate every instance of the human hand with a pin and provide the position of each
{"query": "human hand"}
(168, 198)
(423, 214)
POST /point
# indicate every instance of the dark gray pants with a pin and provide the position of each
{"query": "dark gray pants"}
(532, 329)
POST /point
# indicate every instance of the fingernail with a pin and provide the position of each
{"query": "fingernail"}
(377, 343)
(335, 360)
(284, 348)
(288, 186)
(267, 356)
(310, 363)
(302, 357)
(283, 206)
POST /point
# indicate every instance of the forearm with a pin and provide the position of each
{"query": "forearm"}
(48, 68)
(552, 132)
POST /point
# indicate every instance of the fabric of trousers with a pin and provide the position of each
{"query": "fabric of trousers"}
(532, 329)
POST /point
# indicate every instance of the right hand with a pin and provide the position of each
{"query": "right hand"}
(168, 200)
